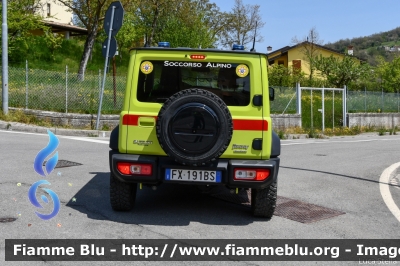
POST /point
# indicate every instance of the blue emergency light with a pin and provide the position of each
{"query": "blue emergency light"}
(238, 47)
(163, 44)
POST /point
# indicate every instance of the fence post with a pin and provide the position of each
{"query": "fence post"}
(323, 108)
(66, 89)
(26, 84)
(298, 100)
(344, 99)
(333, 110)
(99, 82)
(312, 118)
(365, 99)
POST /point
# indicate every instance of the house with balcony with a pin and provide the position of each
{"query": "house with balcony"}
(294, 56)
(57, 16)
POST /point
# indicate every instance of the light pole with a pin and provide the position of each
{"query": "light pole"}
(4, 38)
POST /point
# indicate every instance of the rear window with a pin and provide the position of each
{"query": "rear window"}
(158, 80)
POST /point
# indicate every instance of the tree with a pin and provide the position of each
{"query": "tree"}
(148, 13)
(194, 23)
(91, 14)
(279, 75)
(310, 48)
(389, 74)
(339, 72)
(127, 35)
(215, 20)
(23, 18)
(241, 25)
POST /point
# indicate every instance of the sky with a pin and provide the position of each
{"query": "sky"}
(333, 19)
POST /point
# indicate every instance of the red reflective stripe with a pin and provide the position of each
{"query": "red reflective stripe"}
(132, 120)
(259, 125)
(238, 124)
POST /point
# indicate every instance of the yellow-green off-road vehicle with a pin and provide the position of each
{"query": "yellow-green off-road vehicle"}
(196, 117)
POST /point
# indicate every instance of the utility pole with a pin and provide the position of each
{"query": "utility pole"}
(4, 39)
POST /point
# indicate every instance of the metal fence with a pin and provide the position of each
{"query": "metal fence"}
(63, 92)
(357, 101)
(285, 100)
(372, 102)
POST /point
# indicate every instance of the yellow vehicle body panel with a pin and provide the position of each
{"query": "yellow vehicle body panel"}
(137, 134)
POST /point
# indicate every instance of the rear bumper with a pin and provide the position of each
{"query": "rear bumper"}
(226, 166)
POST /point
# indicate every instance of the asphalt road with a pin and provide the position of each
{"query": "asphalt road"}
(341, 174)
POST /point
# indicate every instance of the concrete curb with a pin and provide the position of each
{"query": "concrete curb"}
(14, 126)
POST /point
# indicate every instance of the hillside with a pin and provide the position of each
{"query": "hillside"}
(370, 47)
(40, 56)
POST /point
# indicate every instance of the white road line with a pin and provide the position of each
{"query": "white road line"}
(19, 132)
(336, 141)
(385, 191)
(306, 141)
(87, 139)
(395, 181)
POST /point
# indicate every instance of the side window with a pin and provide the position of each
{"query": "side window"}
(48, 10)
(148, 81)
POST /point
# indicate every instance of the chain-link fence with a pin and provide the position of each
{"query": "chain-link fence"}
(357, 101)
(285, 101)
(63, 92)
(372, 102)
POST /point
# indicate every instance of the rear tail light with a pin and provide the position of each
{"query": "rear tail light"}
(141, 169)
(123, 168)
(251, 174)
(135, 168)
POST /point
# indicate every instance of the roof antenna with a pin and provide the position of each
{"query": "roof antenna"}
(254, 39)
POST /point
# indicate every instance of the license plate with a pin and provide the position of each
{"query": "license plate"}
(193, 175)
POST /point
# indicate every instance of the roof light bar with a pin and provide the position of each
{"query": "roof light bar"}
(163, 44)
(198, 56)
(238, 47)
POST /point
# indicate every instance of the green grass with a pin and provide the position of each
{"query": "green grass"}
(20, 117)
(285, 98)
(390, 44)
(393, 131)
(312, 117)
(372, 101)
(281, 134)
(48, 90)
(329, 132)
(382, 131)
(41, 56)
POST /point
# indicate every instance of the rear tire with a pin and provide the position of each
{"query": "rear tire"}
(263, 201)
(122, 195)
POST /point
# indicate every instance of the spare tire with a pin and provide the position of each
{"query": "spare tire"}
(194, 127)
